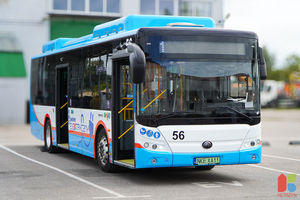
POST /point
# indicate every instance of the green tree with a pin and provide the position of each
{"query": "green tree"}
(270, 59)
(270, 62)
(292, 63)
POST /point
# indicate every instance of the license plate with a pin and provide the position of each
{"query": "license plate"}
(207, 161)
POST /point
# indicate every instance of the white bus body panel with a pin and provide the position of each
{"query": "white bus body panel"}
(224, 137)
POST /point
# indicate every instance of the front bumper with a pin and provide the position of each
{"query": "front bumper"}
(145, 158)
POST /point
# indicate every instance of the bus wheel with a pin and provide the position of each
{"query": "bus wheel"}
(204, 168)
(48, 138)
(102, 153)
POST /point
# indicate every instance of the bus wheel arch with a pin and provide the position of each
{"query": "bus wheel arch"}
(99, 127)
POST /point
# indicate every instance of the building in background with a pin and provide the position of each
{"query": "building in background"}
(12, 80)
(33, 22)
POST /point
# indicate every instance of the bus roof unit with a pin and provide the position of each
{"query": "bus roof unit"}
(133, 22)
(55, 44)
(126, 24)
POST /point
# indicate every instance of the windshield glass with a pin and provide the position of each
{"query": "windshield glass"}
(198, 89)
(199, 80)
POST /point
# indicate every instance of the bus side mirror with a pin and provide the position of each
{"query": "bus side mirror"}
(262, 64)
(137, 63)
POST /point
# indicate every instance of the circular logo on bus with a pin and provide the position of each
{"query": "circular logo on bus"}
(149, 133)
(207, 144)
(142, 131)
(156, 135)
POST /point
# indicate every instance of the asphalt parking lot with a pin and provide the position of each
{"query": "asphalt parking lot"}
(28, 173)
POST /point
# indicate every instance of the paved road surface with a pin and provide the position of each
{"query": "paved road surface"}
(28, 173)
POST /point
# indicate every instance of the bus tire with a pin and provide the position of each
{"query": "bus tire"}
(48, 145)
(204, 168)
(102, 152)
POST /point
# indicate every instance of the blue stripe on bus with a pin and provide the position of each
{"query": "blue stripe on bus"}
(36, 129)
(89, 43)
(246, 155)
(81, 144)
(119, 28)
(144, 158)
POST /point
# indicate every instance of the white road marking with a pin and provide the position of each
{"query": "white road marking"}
(116, 195)
(207, 185)
(129, 197)
(274, 170)
(233, 183)
(280, 157)
(217, 184)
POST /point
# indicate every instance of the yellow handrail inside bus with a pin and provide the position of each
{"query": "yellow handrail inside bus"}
(64, 124)
(155, 99)
(63, 105)
(130, 85)
(125, 107)
(126, 132)
(145, 90)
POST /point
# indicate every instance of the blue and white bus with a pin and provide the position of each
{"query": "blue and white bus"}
(151, 91)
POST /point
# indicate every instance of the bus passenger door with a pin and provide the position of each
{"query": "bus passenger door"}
(61, 102)
(123, 117)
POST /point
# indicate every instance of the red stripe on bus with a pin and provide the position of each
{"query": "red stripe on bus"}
(137, 145)
(42, 125)
(52, 127)
(81, 134)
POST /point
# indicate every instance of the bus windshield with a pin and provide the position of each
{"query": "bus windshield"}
(195, 92)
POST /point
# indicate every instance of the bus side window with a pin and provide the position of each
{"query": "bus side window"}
(34, 81)
(108, 64)
(90, 82)
(96, 84)
(43, 80)
(85, 93)
(74, 84)
(91, 90)
(102, 82)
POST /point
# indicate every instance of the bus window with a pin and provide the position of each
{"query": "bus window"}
(90, 86)
(89, 96)
(43, 79)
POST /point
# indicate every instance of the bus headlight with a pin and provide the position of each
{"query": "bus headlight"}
(251, 143)
(146, 144)
(151, 139)
(253, 138)
(258, 142)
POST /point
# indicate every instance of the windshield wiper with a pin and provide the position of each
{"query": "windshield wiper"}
(236, 111)
(173, 114)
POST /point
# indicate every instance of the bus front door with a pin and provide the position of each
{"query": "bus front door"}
(123, 118)
(61, 99)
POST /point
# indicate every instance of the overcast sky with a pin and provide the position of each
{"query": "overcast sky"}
(277, 23)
